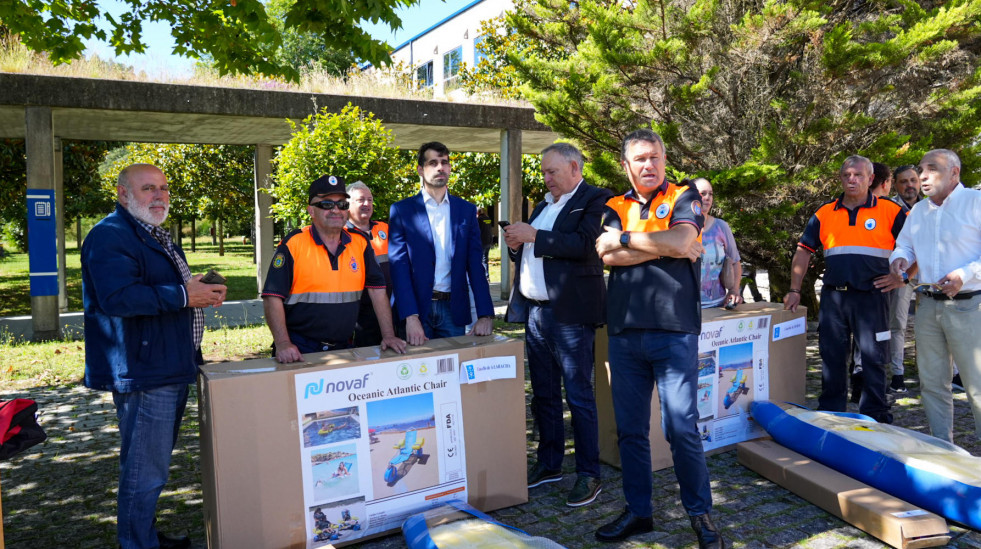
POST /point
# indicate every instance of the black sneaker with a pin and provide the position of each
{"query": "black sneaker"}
(898, 384)
(584, 492)
(956, 384)
(539, 475)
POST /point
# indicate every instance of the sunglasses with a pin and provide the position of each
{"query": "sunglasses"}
(329, 205)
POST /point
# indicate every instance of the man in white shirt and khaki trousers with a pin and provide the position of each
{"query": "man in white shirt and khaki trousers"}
(943, 236)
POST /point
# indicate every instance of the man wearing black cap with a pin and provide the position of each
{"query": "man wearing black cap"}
(314, 284)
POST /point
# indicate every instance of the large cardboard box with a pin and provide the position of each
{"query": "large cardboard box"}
(251, 447)
(892, 520)
(781, 343)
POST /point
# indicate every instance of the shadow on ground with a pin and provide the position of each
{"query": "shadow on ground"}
(62, 492)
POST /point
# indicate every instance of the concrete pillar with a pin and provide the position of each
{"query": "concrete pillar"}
(40, 148)
(511, 198)
(264, 243)
(59, 186)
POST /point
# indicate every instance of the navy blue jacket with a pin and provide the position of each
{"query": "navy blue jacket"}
(137, 327)
(573, 269)
(412, 256)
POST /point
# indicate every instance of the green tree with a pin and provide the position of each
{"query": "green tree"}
(239, 35)
(352, 144)
(765, 97)
(81, 180)
(306, 50)
(206, 181)
(477, 177)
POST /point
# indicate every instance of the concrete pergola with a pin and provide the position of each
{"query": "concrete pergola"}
(43, 110)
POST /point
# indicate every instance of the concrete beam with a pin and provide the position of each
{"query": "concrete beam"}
(94, 109)
(511, 198)
(264, 241)
(40, 148)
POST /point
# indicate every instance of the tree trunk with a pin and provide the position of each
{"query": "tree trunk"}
(78, 232)
(221, 237)
(780, 283)
(179, 238)
(194, 234)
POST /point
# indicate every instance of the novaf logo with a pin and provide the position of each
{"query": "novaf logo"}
(335, 386)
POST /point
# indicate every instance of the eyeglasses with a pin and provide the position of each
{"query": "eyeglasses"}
(329, 205)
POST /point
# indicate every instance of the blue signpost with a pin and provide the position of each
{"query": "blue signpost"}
(42, 242)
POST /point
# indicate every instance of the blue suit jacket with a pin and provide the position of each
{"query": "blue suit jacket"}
(412, 258)
(573, 270)
(137, 329)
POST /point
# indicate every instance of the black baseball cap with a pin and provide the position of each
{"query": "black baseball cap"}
(328, 184)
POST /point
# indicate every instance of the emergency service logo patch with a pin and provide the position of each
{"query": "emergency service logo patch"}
(696, 207)
(332, 180)
(662, 211)
(354, 265)
(869, 224)
(278, 260)
(382, 235)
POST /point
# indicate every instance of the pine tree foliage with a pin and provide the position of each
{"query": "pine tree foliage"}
(765, 97)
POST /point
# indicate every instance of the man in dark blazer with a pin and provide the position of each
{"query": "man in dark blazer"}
(435, 256)
(559, 292)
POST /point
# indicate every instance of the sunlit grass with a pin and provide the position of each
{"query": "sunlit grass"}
(236, 266)
(394, 82)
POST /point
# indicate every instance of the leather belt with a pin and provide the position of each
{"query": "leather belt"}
(441, 296)
(940, 296)
(539, 303)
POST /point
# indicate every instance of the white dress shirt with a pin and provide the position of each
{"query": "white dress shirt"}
(945, 238)
(439, 224)
(533, 268)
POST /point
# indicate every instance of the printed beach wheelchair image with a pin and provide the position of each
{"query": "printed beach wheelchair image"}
(331, 426)
(337, 521)
(406, 431)
(735, 378)
(334, 472)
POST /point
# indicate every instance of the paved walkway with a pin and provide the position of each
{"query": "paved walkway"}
(62, 493)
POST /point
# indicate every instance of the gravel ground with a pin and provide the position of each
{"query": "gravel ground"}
(62, 492)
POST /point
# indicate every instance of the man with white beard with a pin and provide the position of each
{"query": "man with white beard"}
(143, 328)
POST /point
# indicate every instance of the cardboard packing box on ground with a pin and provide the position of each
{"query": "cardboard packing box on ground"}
(755, 351)
(892, 520)
(256, 457)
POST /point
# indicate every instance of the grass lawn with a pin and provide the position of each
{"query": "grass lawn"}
(236, 265)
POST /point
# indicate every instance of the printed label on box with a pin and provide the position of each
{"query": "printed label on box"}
(379, 443)
(733, 371)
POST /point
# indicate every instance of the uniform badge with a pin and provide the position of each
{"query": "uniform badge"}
(696, 207)
(278, 260)
(332, 180)
(354, 265)
(382, 235)
(662, 211)
(869, 224)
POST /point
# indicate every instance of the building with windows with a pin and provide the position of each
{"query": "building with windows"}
(437, 54)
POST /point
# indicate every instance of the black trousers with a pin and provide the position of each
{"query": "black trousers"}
(864, 316)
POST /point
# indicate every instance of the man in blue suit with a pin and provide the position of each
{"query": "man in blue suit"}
(435, 256)
(559, 292)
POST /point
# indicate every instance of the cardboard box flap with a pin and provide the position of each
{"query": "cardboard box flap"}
(888, 518)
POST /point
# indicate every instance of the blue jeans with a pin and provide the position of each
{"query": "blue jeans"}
(558, 351)
(149, 422)
(439, 323)
(638, 359)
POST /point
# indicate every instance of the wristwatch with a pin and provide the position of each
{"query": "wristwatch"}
(625, 239)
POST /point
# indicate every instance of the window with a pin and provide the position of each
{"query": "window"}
(424, 75)
(452, 63)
